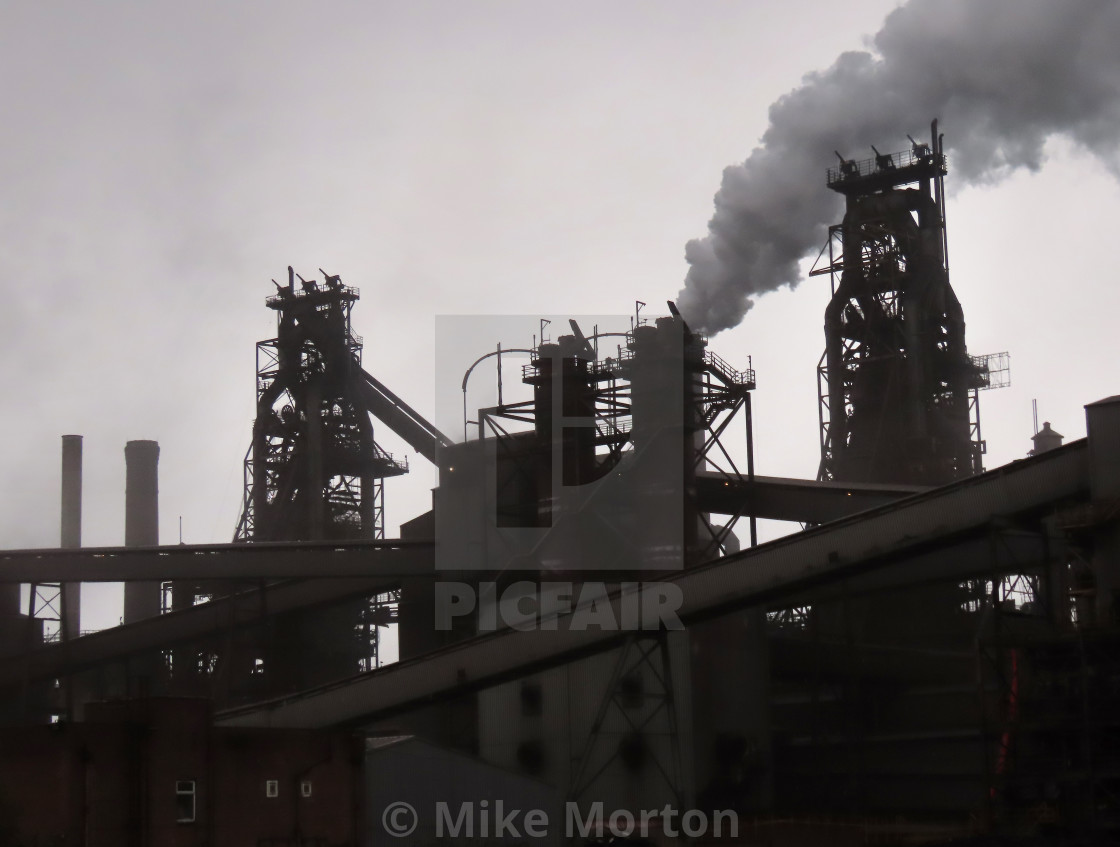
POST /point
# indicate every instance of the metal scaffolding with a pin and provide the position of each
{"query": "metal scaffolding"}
(314, 470)
(897, 389)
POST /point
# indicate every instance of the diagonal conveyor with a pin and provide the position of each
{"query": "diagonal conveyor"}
(926, 526)
(405, 421)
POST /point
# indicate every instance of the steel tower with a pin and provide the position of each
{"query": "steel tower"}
(312, 473)
(898, 398)
(314, 470)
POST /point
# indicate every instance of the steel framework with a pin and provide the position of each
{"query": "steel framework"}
(897, 389)
(601, 393)
(314, 470)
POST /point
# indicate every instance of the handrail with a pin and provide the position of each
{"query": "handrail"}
(851, 169)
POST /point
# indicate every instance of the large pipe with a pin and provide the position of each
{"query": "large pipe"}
(141, 522)
(71, 529)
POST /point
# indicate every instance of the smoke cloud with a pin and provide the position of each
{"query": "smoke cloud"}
(1002, 76)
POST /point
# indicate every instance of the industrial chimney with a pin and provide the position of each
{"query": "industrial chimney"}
(141, 522)
(71, 529)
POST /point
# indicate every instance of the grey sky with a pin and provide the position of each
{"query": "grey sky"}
(1004, 75)
(161, 162)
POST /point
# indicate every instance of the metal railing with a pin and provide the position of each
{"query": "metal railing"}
(852, 169)
(613, 426)
(730, 374)
(715, 363)
(348, 291)
(597, 367)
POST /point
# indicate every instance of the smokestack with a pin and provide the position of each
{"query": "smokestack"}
(1004, 76)
(71, 530)
(141, 522)
(71, 491)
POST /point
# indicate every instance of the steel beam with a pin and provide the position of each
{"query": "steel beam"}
(994, 551)
(784, 499)
(405, 421)
(882, 538)
(248, 608)
(256, 561)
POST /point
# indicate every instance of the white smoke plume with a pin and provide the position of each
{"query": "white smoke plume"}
(1002, 76)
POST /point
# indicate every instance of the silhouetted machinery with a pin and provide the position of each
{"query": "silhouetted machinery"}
(917, 654)
(898, 394)
(598, 471)
(314, 471)
(897, 385)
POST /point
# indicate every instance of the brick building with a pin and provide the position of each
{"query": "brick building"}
(157, 772)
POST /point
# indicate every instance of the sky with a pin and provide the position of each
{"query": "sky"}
(161, 162)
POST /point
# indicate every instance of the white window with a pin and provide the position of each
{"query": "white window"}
(305, 788)
(184, 800)
(272, 788)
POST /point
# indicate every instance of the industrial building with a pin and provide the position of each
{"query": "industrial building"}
(585, 615)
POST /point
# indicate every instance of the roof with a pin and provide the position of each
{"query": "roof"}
(1107, 401)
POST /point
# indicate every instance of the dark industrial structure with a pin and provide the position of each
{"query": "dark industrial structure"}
(898, 388)
(932, 654)
(156, 771)
(314, 471)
